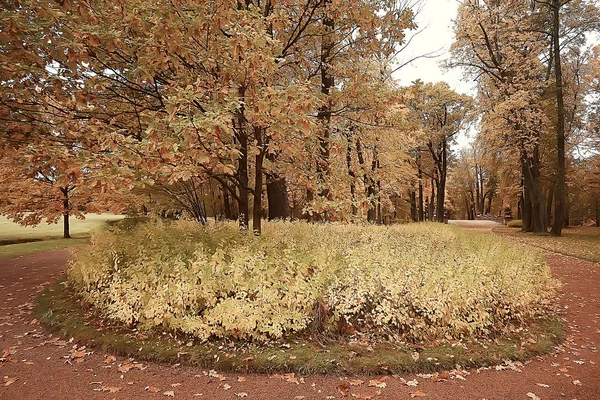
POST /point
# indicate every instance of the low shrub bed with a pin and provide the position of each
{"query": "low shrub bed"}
(400, 283)
(515, 223)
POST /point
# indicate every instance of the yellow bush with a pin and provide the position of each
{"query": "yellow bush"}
(408, 282)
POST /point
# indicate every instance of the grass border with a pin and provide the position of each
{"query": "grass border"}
(57, 308)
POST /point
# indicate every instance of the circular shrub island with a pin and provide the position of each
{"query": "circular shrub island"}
(315, 297)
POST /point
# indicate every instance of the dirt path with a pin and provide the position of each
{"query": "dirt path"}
(43, 370)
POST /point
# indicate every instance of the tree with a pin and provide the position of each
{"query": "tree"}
(442, 113)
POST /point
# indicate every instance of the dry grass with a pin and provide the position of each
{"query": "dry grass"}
(580, 242)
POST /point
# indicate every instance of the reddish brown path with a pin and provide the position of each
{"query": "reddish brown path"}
(37, 366)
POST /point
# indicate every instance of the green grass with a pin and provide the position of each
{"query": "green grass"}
(580, 242)
(9, 231)
(58, 309)
(17, 240)
(21, 249)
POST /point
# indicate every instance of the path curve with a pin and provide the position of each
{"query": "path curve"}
(43, 370)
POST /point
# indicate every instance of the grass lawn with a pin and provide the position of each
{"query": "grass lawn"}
(47, 236)
(580, 242)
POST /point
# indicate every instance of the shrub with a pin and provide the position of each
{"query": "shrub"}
(515, 223)
(409, 282)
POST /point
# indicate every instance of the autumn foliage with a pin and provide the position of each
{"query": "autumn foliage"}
(325, 280)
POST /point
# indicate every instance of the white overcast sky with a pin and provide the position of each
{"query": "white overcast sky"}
(436, 20)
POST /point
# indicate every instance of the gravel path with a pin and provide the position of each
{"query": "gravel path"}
(36, 365)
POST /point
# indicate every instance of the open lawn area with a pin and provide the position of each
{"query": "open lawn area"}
(17, 240)
(580, 242)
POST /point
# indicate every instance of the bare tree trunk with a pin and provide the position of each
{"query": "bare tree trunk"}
(597, 204)
(559, 206)
(242, 172)
(413, 206)
(324, 113)
(534, 215)
(549, 204)
(66, 229)
(420, 176)
(351, 173)
(441, 182)
(258, 182)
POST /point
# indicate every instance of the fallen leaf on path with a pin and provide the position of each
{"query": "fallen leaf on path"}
(110, 359)
(418, 393)
(175, 384)
(170, 393)
(241, 379)
(226, 386)
(412, 383)
(444, 376)
(9, 381)
(242, 394)
(532, 396)
(214, 374)
(127, 366)
(152, 389)
(543, 385)
(343, 388)
(379, 383)
(577, 382)
(355, 382)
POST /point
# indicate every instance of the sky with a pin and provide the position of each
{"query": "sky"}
(436, 20)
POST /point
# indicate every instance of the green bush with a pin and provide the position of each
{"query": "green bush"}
(515, 223)
(409, 282)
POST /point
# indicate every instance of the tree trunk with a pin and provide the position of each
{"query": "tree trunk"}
(534, 211)
(431, 202)
(324, 113)
(597, 204)
(413, 206)
(66, 230)
(258, 182)
(242, 173)
(277, 197)
(441, 182)
(549, 204)
(420, 176)
(559, 206)
(351, 173)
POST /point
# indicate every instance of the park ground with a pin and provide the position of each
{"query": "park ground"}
(37, 365)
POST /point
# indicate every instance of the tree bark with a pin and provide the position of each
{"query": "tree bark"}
(242, 172)
(597, 204)
(277, 197)
(559, 205)
(258, 182)
(324, 113)
(420, 176)
(549, 204)
(413, 206)
(534, 210)
(441, 181)
(66, 229)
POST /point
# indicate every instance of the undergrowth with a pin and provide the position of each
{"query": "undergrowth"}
(408, 283)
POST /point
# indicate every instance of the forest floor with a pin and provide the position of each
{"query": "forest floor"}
(38, 365)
